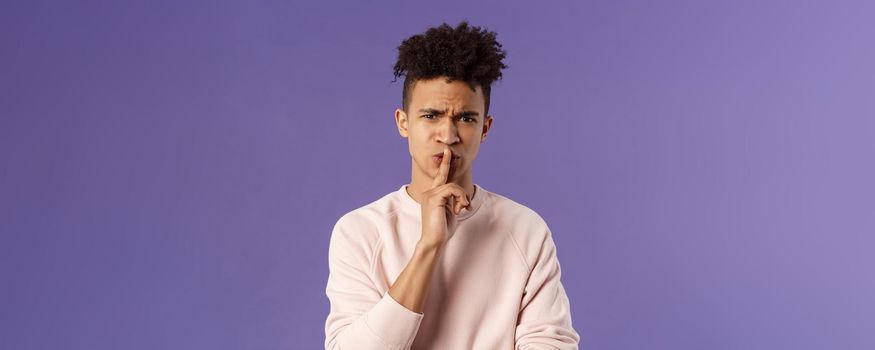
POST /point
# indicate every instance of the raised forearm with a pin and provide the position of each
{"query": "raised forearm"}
(411, 287)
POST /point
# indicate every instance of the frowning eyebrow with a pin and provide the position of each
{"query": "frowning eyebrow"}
(442, 112)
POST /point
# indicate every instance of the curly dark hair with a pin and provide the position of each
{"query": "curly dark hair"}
(465, 53)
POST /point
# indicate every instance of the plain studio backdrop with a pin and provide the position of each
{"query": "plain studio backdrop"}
(170, 171)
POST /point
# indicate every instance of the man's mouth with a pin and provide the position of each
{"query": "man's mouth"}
(439, 157)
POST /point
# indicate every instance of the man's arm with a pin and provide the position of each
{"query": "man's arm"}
(545, 314)
(361, 317)
(439, 206)
(411, 286)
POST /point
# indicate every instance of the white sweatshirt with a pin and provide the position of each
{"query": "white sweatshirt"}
(496, 284)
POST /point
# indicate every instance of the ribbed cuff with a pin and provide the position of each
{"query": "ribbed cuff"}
(392, 322)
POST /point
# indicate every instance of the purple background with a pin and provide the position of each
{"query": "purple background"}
(171, 172)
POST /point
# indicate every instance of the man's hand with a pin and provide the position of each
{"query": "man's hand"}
(440, 205)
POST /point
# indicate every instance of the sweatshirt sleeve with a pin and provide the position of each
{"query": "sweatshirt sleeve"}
(545, 312)
(360, 316)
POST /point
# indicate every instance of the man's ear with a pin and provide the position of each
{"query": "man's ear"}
(487, 123)
(401, 121)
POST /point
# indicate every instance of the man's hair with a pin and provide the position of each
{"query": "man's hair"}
(465, 53)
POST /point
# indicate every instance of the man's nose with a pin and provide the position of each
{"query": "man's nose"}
(447, 132)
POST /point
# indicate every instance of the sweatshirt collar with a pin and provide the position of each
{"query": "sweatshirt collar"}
(409, 203)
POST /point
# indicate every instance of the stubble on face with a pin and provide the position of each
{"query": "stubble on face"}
(434, 104)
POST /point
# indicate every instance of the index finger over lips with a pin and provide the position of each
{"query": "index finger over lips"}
(443, 170)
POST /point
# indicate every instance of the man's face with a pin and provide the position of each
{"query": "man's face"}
(441, 115)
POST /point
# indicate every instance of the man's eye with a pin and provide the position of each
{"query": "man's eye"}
(428, 116)
(470, 120)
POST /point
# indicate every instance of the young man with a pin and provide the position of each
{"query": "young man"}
(442, 263)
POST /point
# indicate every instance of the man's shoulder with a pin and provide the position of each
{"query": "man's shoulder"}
(359, 227)
(525, 226)
(371, 213)
(513, 212)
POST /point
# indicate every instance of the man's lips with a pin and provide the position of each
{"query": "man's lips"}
(441, 155)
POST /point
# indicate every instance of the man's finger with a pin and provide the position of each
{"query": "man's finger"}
(444, 169)
(458, 199)
(460, 202)
(453, 197)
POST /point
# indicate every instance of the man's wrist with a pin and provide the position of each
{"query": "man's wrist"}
(427, 245)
